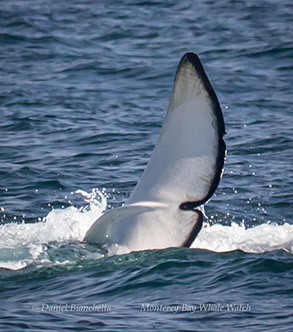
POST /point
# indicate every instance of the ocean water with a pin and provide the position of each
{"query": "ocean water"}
(83, 92)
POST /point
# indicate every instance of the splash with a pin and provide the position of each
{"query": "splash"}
(261, 238)
(59, 225)
(21, 244)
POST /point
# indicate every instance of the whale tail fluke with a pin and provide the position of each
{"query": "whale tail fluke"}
(183, 173)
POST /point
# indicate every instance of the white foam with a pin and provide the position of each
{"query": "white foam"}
(13, 265)
(21, 244)
(258, 239)
(59, 225)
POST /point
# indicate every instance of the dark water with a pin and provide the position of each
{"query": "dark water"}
(83, 93)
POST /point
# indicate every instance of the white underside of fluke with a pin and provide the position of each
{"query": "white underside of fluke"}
(185, 167)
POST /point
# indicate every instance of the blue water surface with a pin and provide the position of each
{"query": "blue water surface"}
(83, 92)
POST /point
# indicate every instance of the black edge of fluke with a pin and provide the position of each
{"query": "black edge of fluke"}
(193, 59)
(195, 230)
